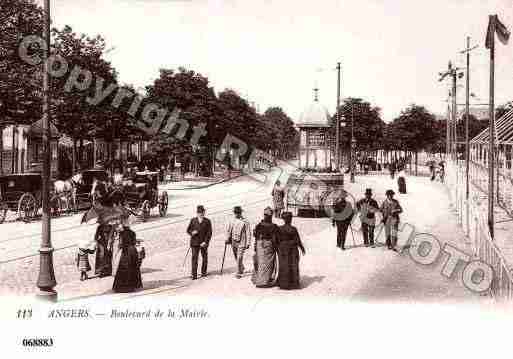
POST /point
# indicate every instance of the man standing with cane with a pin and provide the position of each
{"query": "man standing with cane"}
(367, 207)
(342, 215)
(200, 230)
(239, 236)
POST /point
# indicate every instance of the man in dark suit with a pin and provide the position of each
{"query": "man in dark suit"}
(342, 215)
(367, 207)
(200, 230)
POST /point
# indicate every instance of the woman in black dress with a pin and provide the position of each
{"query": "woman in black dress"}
(128, 276)
(103, 263)
(288, 253)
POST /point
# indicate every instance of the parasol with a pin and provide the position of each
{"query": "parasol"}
(106, 214)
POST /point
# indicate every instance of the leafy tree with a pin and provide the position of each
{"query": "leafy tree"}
(19, 85)
(415, 129)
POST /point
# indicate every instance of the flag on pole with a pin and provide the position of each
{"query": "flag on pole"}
(495, 26)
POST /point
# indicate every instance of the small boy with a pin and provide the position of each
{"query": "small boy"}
(84, 249)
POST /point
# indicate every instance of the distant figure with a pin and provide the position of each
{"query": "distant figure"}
(392, 169)
(342, 215)
(390, 210)
(200, 230)
(128, 276)
(401, 181)
(266, 236)
(442, 171)
(367, 207)
(278, 194)
(84, 249)
(239, 236)
(432, 170)
(288, 244)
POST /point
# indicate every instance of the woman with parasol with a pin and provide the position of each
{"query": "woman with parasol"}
(128, 276)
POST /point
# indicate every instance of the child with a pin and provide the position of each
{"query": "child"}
(84, 249)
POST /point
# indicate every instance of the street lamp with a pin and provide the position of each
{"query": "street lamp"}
(46, 279)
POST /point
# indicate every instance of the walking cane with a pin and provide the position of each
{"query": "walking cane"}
(352, 234)
(224, 255)
(185, 259)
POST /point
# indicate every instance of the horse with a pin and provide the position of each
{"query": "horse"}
(66, 190)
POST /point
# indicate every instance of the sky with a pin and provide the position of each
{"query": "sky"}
(274, 52)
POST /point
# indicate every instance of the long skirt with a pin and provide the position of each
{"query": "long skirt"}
(83, 262)
(401, 183)
(288, 277)
(264, 264)
(128, 276)
(103, 266)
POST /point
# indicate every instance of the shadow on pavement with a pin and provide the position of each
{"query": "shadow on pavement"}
(150, 270)
(306, 281)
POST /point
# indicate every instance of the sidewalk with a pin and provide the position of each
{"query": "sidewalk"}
(359, 273)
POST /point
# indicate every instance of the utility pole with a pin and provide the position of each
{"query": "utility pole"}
(451, 123)
(454, 118)
(491, 131)
(337, 143)
(467, 139)
(352, 145)
(46, 280)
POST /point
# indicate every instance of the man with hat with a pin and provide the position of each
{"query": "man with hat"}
(390, 210)
(200, 230)
(342, 215)
(367, 207)
(239, 236)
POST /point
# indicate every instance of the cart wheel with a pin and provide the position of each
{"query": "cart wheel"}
(145, 210)
(56, 207)
(3, 212)
(163, 203)
(27, 207)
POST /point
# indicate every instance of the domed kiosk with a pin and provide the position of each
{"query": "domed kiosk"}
(314, 185)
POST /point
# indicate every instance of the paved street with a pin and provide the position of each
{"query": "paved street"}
(357, 273)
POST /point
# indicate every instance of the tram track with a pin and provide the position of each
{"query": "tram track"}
(142, 230)
(61, 230)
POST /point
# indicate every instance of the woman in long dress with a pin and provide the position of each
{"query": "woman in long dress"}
(401, 181)
(288, 253)
(266, 235)
(128, 275)
(103, 263)
(278, 194)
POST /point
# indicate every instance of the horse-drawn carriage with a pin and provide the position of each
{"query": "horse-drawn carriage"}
(141, 194)
(84, 182)
(21, 193)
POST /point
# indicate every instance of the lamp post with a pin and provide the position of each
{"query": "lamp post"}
(337, 143)
(352, 145)
(46, 279)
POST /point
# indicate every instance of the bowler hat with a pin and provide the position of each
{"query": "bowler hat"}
(368, 191)
(237, 210)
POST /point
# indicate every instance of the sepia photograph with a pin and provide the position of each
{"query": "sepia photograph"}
(256, 178)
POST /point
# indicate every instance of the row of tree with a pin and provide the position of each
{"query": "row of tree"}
(415, 129)
(222, 113)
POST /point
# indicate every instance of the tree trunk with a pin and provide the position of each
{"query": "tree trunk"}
(74, 156)
(81, 152)
(416, 162)
(1, 150)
